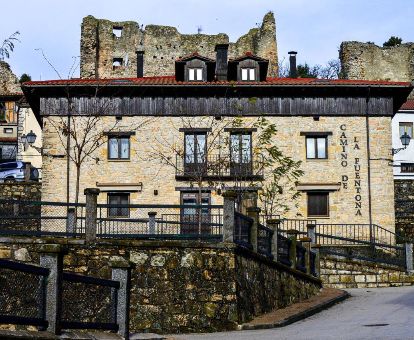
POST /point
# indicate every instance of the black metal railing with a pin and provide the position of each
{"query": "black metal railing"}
(88, 302)
(312, 263)
(301, 258)
(160, 221)
(219, 166)
(242, 229)
(264, 240)
(300, 225)
(22, 294)
(283, 249)
(37, 218)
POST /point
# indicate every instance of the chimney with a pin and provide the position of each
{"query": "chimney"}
(140, 64)
(221, 61)
(293, 73)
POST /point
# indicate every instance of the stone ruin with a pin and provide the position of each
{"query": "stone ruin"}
(371, 62)
(109, 49)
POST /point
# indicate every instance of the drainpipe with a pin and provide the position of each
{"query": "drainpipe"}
(371, 236)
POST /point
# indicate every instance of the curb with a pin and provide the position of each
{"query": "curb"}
(299, 316)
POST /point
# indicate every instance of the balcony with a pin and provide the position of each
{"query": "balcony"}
(219, 167)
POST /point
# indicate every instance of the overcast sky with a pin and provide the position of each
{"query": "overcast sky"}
(315, 28)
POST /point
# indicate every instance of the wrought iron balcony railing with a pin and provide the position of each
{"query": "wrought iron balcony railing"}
(219, 167)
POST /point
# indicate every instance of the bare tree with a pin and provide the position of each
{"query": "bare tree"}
(8, 45)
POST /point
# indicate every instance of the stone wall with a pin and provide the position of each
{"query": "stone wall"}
(9, 84)
(263, 286)
(371, 62)
(162, 46)
(337, 272)
(182, 286)
(21, 190)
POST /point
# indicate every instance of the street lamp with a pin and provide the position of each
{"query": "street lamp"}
(405, 141)
(31, 137)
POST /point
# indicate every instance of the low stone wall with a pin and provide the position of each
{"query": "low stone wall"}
(264, 285)
(182, 286)
(21, 190)
(338, 272)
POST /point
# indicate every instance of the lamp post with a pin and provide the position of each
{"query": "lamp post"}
(405, 141)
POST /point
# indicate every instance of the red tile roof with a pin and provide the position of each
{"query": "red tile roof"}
(408, 105)
(171, 81)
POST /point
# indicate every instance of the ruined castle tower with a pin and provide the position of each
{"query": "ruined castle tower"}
(114, 49)
(371, 62)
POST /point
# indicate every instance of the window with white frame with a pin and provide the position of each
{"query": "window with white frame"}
(118, 147)
(317, 147)
(195, 74)
(248, 74)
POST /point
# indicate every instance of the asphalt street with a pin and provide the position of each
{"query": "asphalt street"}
(377, 313)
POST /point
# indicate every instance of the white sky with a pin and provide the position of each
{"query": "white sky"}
(314, 28)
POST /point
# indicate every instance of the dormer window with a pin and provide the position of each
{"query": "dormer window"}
(248, 74)
(195, 74)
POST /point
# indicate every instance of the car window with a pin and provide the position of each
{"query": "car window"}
(8, 166)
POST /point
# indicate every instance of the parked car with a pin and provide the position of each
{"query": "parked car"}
(14, 171)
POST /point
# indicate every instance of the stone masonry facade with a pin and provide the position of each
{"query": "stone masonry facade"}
(346, 166)
(179, 286)
(162, 45)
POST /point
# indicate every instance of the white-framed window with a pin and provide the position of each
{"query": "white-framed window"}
(248, 74)
(195, 74)
(316, 147)
(118, 147)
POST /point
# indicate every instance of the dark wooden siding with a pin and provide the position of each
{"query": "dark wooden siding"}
(179, 106)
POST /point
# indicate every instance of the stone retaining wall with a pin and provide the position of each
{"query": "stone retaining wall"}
(182, 286)
(21, 190)
(337, 272)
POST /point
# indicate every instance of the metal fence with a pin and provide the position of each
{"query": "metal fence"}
(242, 229)
(22, 294)
(301, 258)
(283, 249)
(160, 221)
(300, 225)
(264, 240)
(88, 302)
(36, 218)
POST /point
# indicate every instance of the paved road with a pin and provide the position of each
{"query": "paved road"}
(377, 313)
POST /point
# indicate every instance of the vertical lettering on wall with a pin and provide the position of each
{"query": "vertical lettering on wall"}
(343, 142)
(357, 179)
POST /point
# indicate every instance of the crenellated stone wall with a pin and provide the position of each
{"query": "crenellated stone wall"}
(182, 286)
(162, 46)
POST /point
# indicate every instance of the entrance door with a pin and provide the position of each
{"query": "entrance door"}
(195, 220)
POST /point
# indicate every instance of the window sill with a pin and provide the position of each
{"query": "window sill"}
(317, 159)
(119, 160)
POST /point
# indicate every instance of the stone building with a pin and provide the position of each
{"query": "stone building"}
(369, 61)
(114, 49)
(157, 133)
(10, 93)
(16, 119)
